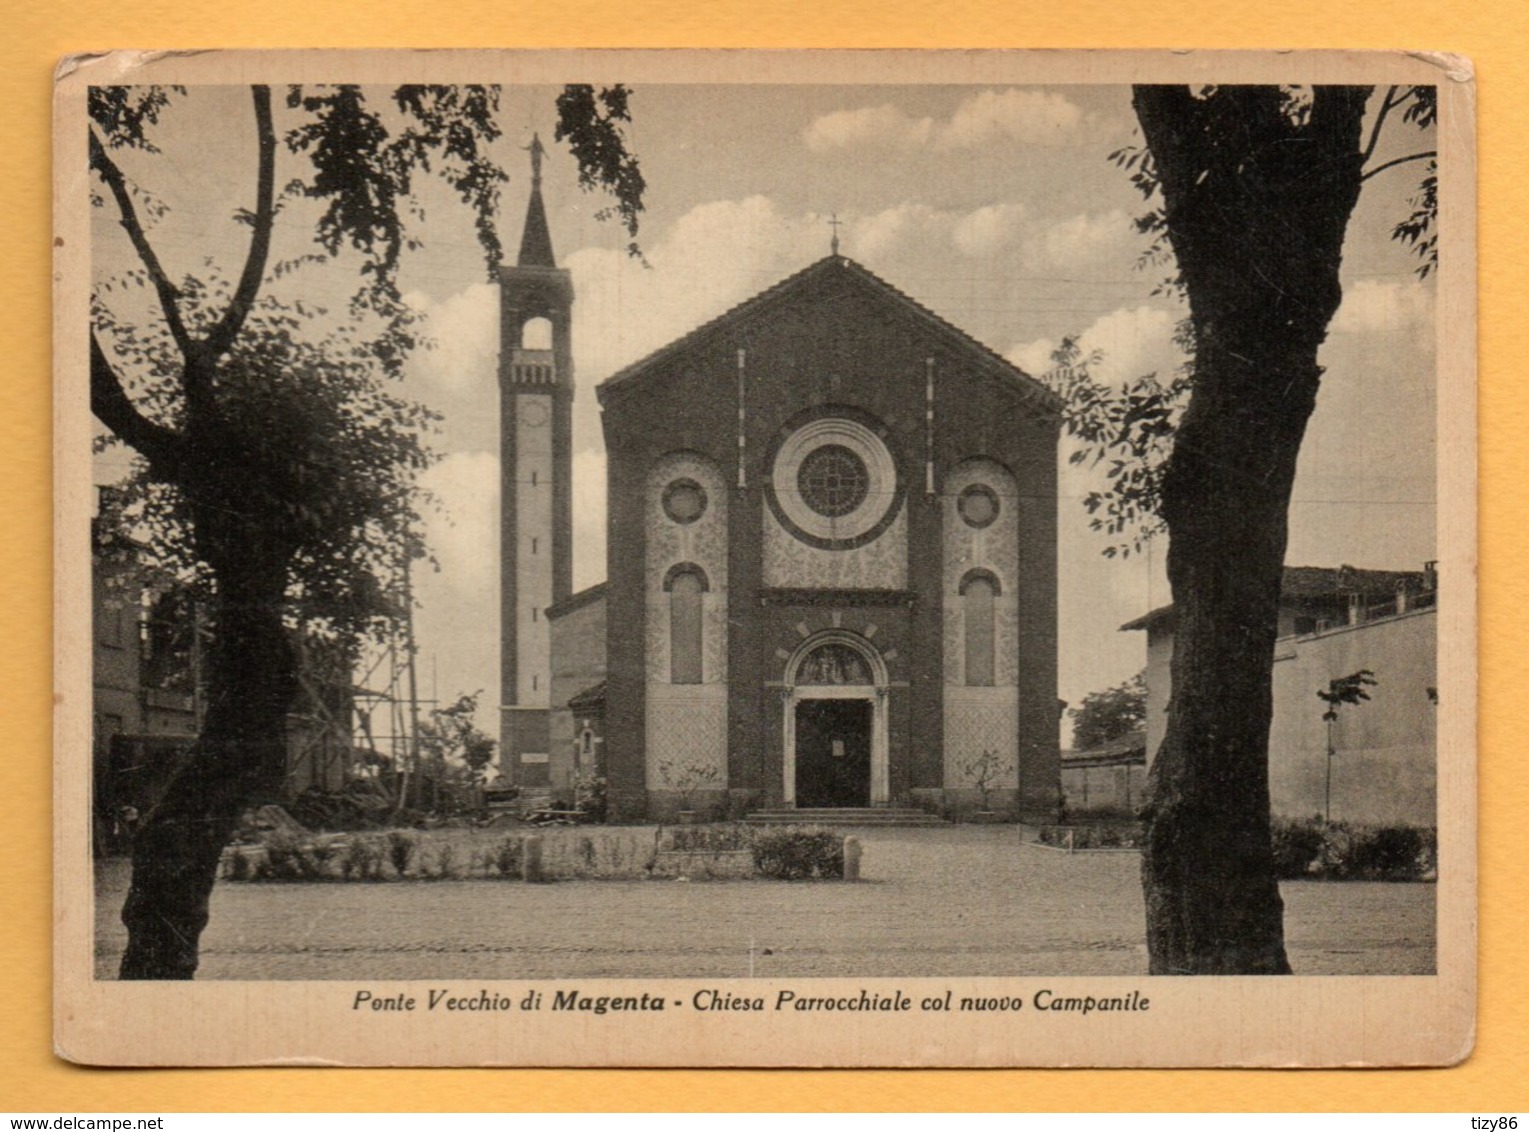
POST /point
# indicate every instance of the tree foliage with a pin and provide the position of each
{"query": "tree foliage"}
(1110, 714)
(1125, 432)
(450, 735)
(275, 467)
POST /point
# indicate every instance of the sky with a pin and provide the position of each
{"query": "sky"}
(998, 208)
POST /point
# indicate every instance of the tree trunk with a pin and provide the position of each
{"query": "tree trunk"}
(1257, 199)
(239, 758)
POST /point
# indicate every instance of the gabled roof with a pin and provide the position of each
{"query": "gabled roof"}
(853, 272)
(1301, 585)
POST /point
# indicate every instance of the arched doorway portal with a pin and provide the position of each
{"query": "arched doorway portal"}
(835, 741)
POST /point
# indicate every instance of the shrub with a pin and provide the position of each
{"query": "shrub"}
(710, 838)
(1297, 845)
(239, 867)
(1388, 853)
(507, 858)
(401, 847)
(798, 853)
(362, 860)
(445, 862)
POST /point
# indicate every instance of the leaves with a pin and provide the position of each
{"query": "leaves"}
(1109, 714)
(1125, 432)
(1348, 689)
(591, 123)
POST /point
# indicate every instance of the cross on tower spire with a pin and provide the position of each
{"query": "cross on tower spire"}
(538, 151)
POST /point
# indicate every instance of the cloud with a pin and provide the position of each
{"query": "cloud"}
(884, 126)
(1374, 306)
(1082, 239)
(989, 229)
(1029, 117)
(1024, 117)
(1132, 342)
(1033, 357)
(882, 233)
(463, 338)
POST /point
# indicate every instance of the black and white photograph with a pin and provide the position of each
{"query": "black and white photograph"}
(766, 558)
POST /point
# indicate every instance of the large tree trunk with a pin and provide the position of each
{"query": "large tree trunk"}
(1257, 197)
(240, 757)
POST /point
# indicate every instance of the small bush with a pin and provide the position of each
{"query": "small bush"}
(401, 849)
(1297, 846)
(1388, 853)
(239, 867)
(1126, 836)
(506, 858)
(710, 838)
(799, 853)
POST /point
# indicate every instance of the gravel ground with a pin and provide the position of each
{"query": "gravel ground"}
(967, 900)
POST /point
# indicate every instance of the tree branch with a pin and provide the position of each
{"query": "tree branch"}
(169, 296)
(115, 409)
(1399, 161)
(227, 329)
(1386, 106)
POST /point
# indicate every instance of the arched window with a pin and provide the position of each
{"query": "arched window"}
(536, 334)
(978, 589)
(685, 584)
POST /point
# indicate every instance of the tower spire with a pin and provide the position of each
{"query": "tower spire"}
(535, 239)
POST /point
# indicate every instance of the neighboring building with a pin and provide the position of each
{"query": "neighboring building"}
(832, 556)
(148, 697)
(577, 635)
(1334, 622)
(1108, 778)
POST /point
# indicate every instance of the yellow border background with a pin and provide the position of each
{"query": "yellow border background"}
(1494, 33)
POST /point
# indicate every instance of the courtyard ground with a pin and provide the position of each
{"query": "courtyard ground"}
(963, 900)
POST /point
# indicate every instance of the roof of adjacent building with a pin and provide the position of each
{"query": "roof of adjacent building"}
(578, 600)
(590, 698)
(1128, 749)
(1311, 584)
(854, 273)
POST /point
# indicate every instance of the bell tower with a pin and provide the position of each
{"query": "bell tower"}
(535, 473)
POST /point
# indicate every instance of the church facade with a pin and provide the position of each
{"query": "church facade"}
(832, 567)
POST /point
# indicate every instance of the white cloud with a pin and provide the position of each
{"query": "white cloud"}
(882, 233)
(989, 229)
(462, 338)
(1029, 117)
(1025, 117)
(869, 126)
(1082, 239)
(1132, 342)
(1374, 306)
(1033, 357)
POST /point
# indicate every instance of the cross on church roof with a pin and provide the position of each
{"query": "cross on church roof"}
(833, 243)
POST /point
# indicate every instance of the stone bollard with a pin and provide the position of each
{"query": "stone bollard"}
(852, 858)
(531, 858)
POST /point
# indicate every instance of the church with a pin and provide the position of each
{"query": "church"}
(832, 564)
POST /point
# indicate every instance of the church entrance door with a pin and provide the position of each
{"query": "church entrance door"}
(833, 752)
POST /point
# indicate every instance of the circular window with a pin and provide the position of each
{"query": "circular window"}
(684, 501)
(833, 480)
(833, 483)
(978, 506)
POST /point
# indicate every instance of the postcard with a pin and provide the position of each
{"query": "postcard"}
(765, 558)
